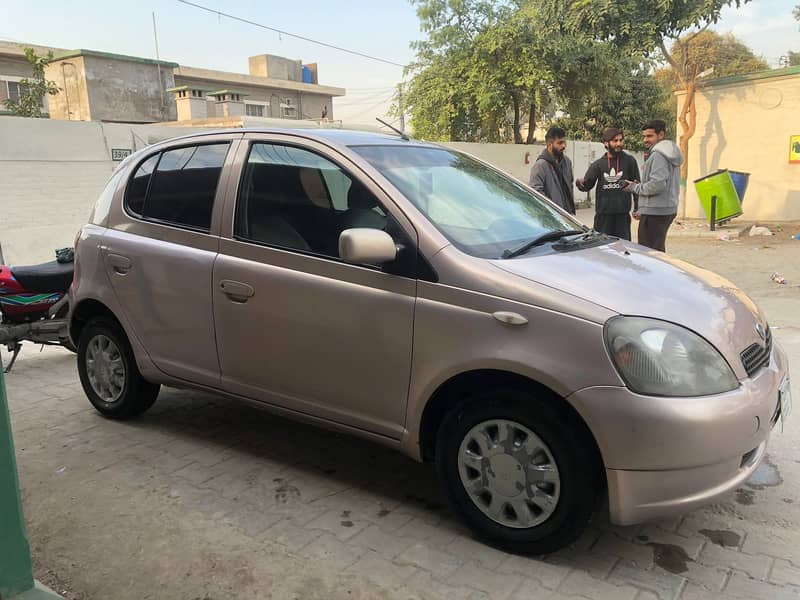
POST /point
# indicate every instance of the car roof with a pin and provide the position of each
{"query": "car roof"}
(343, 137)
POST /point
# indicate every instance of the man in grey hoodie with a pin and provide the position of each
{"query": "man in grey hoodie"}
(551, 174)
(659, 189)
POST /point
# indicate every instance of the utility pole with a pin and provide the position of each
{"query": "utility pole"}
(158, 66)
(400, 107)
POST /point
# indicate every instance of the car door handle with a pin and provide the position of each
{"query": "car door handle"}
(236, 291)
(120, 264)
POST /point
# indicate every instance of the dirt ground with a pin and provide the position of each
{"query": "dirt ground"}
(750, 262)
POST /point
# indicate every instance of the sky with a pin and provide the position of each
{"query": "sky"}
(380, 28)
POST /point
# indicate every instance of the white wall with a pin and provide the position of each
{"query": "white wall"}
(511, 158)
(52, 171)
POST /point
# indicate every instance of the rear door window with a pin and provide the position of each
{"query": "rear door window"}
(178, 187)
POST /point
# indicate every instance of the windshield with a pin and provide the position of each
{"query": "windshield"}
(480, 210)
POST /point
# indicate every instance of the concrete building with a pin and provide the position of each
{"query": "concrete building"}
(749, 123)
(264, 92)
(14, 67)
(100, 86)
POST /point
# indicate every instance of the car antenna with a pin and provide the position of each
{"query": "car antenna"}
(393, 128)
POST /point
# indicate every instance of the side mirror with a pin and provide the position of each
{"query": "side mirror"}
(366, 246)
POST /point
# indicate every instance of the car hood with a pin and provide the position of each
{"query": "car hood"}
(632, 280)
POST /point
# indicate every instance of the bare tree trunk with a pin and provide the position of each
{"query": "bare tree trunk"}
(687, 117)
(532, 119)
(517, 132)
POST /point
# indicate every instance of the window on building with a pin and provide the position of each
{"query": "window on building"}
(288, 109)
(178, 186)
(13, 90)
(254, 110)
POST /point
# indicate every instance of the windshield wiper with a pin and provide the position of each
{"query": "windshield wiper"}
(537, 241)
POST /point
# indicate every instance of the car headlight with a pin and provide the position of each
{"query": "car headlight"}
(658, 358)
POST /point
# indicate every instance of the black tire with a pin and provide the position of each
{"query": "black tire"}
(576, 500)
(137, 394)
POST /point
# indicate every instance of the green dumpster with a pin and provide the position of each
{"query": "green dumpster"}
(720, 185)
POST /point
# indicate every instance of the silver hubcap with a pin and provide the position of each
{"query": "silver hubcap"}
(105, 368)
(509, 473)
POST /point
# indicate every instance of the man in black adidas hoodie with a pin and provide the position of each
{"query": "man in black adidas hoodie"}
(612, 204)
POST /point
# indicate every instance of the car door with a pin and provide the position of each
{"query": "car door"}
(296, 326)
(159, 254)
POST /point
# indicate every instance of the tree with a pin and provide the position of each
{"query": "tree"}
(32, 90)
(722, 55)
(719, 55)
(449, 95)
(485, 64)
(793, 59)
(635, 93)
(647, 27)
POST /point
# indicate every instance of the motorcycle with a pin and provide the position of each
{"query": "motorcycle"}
(34, 304)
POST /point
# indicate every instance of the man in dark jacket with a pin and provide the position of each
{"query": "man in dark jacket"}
(612, 204)
(551, 174)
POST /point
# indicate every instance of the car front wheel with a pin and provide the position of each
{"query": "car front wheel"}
(516, 472)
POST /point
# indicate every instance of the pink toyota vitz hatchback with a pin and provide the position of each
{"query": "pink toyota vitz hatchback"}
(417, 297)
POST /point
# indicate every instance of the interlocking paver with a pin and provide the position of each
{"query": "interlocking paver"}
(533, 590)
(340, 523)
(783, 572)
(546, 574)
(665, 585)
(430, 559)
(742, 585)
(755, 566)
(469, 549)
(387, 545)
(583, 584)
(382, 571)
(499, 586)
(332, 552)
(290, 535)
(638, 553)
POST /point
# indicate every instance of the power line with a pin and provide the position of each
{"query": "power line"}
(294, 35)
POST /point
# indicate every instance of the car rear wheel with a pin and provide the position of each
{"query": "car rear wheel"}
(108, 372)
(516, 472)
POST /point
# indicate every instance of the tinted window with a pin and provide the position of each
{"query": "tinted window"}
(184, 185)
(293, 198)
(137, 187)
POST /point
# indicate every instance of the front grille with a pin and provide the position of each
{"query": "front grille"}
(757, 355)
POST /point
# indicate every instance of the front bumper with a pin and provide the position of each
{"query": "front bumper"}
(668, 455)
